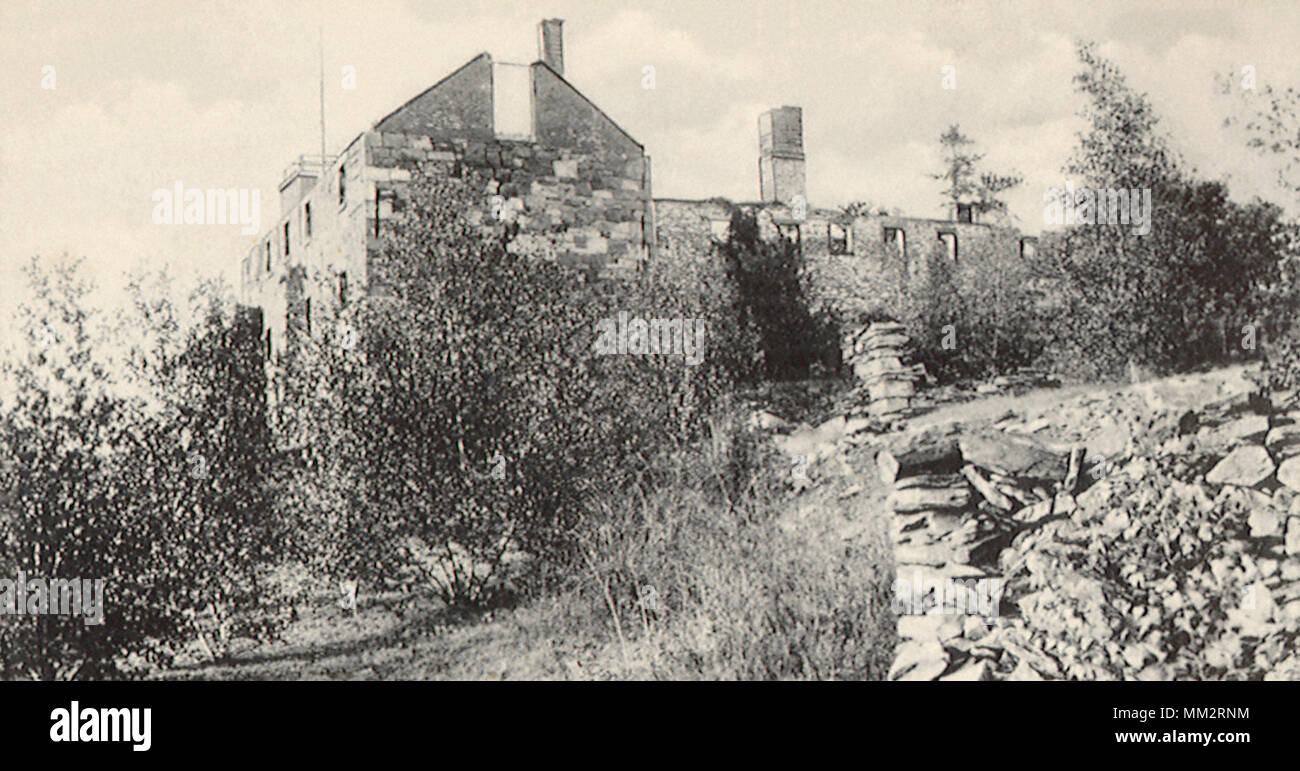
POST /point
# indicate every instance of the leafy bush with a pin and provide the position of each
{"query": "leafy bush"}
(771, 279)
(159, 494)
(1188, 293)
(475, 423)
(1178, 296)
(974, 319)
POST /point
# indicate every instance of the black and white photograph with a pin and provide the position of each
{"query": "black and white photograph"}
(424, 344)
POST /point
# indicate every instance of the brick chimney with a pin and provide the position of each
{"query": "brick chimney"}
(781, 158)
(550, 43)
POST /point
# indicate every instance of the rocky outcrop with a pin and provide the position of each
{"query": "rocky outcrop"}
(1037, 562)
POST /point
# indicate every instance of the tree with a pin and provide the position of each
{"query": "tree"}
(141, 471)
(1166, 298)
(772, 283)
(473, 429)
(965, 183)
(1272, 125)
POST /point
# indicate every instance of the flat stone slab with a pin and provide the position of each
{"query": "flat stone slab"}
(1284, 441)
(1245, 466)
(1014, 455)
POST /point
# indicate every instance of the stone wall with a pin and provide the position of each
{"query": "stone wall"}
(457, 107)
(851, 269)
(585, 208)
(875, 356)
(578, 190)
(334, 244)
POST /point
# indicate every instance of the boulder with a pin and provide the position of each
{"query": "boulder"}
(1289, 473)
(895, 342)
(1266, 522)
(913, 499)
(1109, 439)
(986, 488)
(1245, 466)
(916, 660)
(972, 672)
(942, 523)
(1284, 441)
(1249, 429)
(921, 628)
(766, 421)
(921, 453)
(889, 387)
(1024, 673)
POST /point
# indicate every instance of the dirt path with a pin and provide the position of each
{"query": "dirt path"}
(989, 408)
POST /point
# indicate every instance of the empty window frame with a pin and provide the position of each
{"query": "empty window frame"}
(949, 240)
(839, 238)
(285, 233)
(306, 220)
(343, 184)
(897, 238)
(512, 100)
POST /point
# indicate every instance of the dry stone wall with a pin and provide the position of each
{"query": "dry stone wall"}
(875, 356)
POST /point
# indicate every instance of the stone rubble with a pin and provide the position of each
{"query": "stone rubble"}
(1176, 556)
(1160, 539)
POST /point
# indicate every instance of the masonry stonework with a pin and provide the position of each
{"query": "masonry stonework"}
(576, 189)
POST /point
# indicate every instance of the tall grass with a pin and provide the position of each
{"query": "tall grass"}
(699, 577)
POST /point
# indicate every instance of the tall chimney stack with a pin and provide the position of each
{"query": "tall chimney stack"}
(780, 155)
(550, 43)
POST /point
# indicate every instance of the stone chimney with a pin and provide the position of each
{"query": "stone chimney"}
(550, 43)
(781, 158)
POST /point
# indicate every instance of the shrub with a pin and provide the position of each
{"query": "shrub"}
(974, 319)
(157, 494)
(487, 421)
(772, 282)
(1177, 296)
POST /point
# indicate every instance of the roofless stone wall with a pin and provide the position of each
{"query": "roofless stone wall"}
(587, 208)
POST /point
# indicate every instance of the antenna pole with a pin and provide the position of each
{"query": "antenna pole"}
(321, 29)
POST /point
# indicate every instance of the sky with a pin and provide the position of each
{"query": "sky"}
(104, 103)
